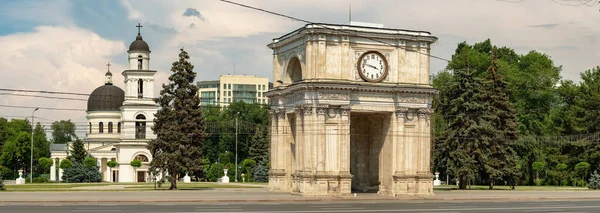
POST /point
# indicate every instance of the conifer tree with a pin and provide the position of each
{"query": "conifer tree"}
(78, 152)
(502, 159)
(179, 124)
(259, 147)
(467, 136)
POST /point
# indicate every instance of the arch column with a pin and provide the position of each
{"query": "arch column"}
(53, 170)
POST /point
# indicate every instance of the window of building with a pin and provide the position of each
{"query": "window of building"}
(110, 127)
(100, 127)
(263, 86)
(228, 93)
(229, 86)
(140, 60)
(90, 127)
(119, 127)
(140, 88)
(224, 86)
(140, 127)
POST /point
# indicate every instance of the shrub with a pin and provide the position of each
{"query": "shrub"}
(66, 164)
(6, 173)
(594, 181)
(80, 173)
(261, 174)
(136, 163)
(214, 172)
(89, 162)
(41, 180)
(45, 164)
(112, 163)
(2, 182)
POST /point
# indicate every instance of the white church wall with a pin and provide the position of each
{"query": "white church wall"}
(105, 117)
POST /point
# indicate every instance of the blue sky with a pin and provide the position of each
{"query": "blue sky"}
(63, 45)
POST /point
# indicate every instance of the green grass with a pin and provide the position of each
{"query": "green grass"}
(127, 186)
(199, 185)
(517, 188)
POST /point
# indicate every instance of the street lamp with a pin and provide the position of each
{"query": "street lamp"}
(236, 149)
(31, 162)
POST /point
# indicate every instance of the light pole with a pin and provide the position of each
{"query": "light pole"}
(236, 149)
(31, 162)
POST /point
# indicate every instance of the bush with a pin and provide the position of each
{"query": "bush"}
(594, 181)
(89, 162)
(111, 164)
(6, 173)
(45, 164)
(261, 174)
(80, 174)
(135, 163)
(214, 172)
(41, 180)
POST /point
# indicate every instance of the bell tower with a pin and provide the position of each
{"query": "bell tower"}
(139, 107)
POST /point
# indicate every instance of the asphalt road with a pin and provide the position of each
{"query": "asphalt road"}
(319, 207)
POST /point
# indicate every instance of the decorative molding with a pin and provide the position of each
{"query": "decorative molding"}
(307, 109)
(417, 99)
(299, 96)
(328, 95)
(299, 110)
(321, 108)
(425, 112)
(281, 113)
(332, 112)
(345, 110)
(401, 112)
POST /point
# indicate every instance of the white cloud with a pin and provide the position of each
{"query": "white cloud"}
(133, 13)
(55, 59)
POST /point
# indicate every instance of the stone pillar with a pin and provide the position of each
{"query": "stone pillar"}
(307, 176)
(344, 151)
(53, 170)
(299, 146)
(277, 174)
(424, 175)
(60, 171)
(321, 187)
(399, 186)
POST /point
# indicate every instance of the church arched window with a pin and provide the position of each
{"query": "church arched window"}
(142, 158)
(100, 127)
(140, 60)
(110, 127)
(140, 88)
(119, 127)
(140, 127)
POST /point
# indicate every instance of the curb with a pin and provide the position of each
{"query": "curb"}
(308, 200)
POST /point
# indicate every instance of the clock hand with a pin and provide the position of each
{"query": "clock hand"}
(372, 66)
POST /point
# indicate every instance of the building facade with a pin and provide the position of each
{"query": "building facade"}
(230, 88)
(120, 121)
(351, 111)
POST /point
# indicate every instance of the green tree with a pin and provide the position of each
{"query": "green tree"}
(582, 168)
(259, 146)
(247, 166)
(16, 153)
(80, 173)
(89, 162)
(468, 133)
(179, 124)
(63, 131)
(538, 167)
(502, 159)
(65, 165)
(45, 164)
(78, 152)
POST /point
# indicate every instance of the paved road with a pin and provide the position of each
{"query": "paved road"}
(321, 207)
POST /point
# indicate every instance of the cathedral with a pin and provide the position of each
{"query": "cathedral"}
(120, 121)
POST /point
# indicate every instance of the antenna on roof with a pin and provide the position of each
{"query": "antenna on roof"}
(350, 12)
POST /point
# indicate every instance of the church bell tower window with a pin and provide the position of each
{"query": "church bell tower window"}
(140, 60)
(100, 127)
(119, 127)
(140, 88)
(140, 127)
(110, 127)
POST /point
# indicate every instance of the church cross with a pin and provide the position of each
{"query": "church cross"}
(139, 26)
(108, 65)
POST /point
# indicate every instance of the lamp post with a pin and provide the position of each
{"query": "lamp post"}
(236, 149)
(31, 162)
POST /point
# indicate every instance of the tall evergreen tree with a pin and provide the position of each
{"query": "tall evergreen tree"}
(63, 131)
(78, 152)
(502, 158)
(468, 134)
(179, 124)
(259, 146)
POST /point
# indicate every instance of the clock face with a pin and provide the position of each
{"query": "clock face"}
(372, 66)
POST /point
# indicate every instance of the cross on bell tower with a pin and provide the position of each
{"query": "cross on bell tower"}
(108, 76)
(139, 26)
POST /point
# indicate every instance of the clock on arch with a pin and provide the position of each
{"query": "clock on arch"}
(372, 66)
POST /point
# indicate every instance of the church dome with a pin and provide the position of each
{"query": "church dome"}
(139, 45)
(106, 98)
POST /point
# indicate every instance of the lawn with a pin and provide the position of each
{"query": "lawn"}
(518, 188)
(119, 186)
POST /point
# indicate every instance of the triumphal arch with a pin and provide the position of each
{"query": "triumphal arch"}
(351, 111)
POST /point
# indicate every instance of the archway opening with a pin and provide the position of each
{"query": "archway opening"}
(294, 71)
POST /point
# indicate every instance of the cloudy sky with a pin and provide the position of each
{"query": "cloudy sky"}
(64, 45)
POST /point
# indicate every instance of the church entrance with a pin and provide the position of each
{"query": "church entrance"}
(141, 176)
(367, 137)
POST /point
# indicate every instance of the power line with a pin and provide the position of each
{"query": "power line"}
(330, 28)
(40, 96)
(43, 91)
(46, 108)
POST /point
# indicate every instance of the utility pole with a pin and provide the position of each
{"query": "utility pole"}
(31, 162)
(236, 144)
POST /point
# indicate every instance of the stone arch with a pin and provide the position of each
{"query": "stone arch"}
(293, 71)
(143, 155)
